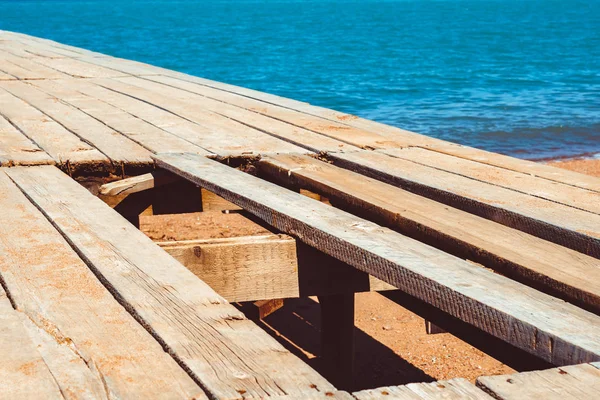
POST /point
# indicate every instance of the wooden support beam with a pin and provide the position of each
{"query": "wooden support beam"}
(247, 268)
(337, 338)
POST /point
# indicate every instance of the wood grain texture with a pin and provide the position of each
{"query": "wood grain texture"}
(23, 372)
(564, 225)
(572, 196)
(117, 147)
(138, 183)
(18, 149)
(221, 135)
(62, 145)
(246, 268)
(528, 319)
(563, 272)
(141, 132)
(405, 138)
(110, 353)
(227, 354)
(575, 382)
(453, 389)
(341, 133)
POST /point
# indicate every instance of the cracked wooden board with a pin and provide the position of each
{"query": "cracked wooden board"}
(453, 389)
(90, 344)
(18, 149)
(564, 225)
(532, 321)
(229, 355)
(575, 382)
(23, 371)
(566, 273)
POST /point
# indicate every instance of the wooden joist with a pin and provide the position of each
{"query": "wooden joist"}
(88, 342)
(138, 183)
(228, 355)
(561, 271)
(558, 223)
(542, 325)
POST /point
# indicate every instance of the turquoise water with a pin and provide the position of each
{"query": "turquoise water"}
(520, 77)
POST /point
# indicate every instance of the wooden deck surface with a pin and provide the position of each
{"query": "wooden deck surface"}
(92, 308)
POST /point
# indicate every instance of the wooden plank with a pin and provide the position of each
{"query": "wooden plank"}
(183, 104)
(23, 372)
(27, 69)
(532, 321)
(229, 355)
(576, 382)
(111, 143)
(453, 389)
(327, 129)
(291, 133)
(576, 197)
(141, 132)
(246, 268)
(405, 138)
(183, 118)
(567, 226)
(17, 149)
(138, 183)
(79, 69)
(53, 288)
(562, 272)
(60, 144)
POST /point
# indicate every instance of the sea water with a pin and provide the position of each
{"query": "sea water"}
(521, 77)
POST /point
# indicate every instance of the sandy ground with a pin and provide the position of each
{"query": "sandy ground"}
(392, 346)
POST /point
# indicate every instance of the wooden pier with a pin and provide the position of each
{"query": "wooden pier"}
(90, 307)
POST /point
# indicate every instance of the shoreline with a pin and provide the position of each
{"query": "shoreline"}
(584, 165)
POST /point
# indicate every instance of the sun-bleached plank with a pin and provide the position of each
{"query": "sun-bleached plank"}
(219, 347)
(575, 382)
(17, 149)
(114, 145)
(48, 282)
(62, 145)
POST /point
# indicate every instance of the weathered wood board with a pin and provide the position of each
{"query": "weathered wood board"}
(453, 389)
(91, 345)
(562, 271)
(564, 225)
(575, 382)
(228, 355)
(528, 319)
(246, 268)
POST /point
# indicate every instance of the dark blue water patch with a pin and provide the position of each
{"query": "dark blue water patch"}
(520, 77)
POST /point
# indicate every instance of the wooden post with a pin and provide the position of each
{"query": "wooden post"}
(337, 338)
(177, 198)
